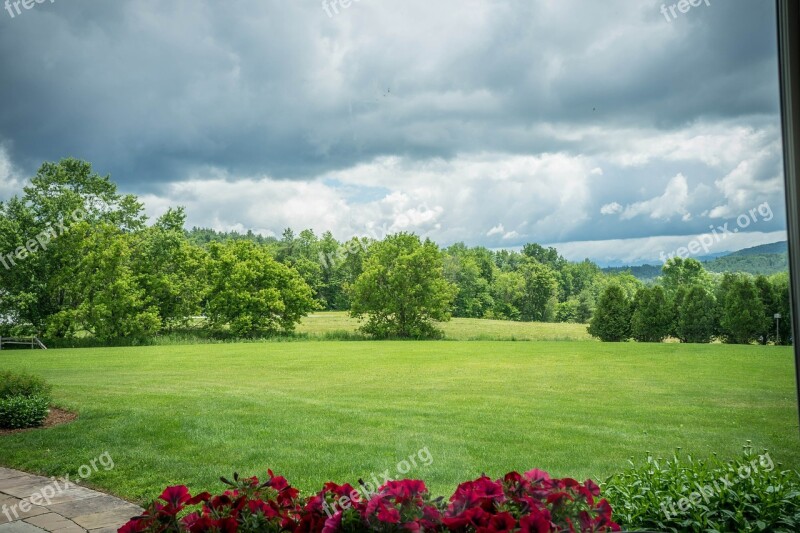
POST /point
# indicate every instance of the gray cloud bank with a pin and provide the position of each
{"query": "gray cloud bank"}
(493, 122)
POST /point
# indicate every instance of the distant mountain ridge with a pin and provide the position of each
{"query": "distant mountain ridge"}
(781, 247)
(764, 259)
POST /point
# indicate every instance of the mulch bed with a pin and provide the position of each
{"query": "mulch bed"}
(55, 418)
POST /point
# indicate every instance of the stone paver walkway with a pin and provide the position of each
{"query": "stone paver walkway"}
(33, 504)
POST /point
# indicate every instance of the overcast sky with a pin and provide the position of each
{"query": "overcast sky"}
(609, 129)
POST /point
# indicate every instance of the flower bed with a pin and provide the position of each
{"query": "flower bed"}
(530, 503)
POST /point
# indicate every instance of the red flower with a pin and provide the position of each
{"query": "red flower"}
(557, 497)
(196, 523)
(333, 524)
(592, 487)
(536, 522)
(502, 522)
(405, 490)
(176, 495)
(388, 514)
(202, 497)
(516, 503)
(537, 476)
(474, 517)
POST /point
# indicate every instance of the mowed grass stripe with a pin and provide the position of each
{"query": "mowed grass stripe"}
(317, 411)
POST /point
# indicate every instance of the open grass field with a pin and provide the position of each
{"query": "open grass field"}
(318, 325)
(316, 411)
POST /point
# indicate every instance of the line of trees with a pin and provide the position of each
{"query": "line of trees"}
(112, 274)
(691, 305)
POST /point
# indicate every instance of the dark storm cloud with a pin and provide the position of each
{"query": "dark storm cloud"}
(155, 91)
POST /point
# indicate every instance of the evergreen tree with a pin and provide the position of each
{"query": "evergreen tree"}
(650, 321)
(743, 313)
(697, 316)
(611, 320)
(766, 292)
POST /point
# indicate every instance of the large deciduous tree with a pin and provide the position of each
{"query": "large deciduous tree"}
(171, 270)
(462, 269)
(678, 272)
(101, 293)
(58, 197)
(402, 290)
(251, 294)
(541, 292)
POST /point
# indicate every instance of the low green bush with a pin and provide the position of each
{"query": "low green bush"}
(750, 493)
(18, 412)
(24, 400)
(20, 384)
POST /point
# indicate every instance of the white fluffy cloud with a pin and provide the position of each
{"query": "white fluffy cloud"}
(537, 198)
(673, 202)
(611, 209)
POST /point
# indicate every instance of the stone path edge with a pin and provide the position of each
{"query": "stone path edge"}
(70, 509)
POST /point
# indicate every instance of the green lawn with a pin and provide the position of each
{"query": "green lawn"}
(460, 329)
(316, 411)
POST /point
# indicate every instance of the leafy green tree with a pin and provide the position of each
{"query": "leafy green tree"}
(461, 269)
(545, 256)
(612, 317)
(508, 293)
(568, 311)
(302, 252)
(743, 313)
(696, 316)
(769, 298)
(38, 225)
(402, 290)
(331, 290)
(171, 269)
(508, 260)
(676, 304)
(251, 294)
(624, 280)
(541, 289)
(484, 258)
(585, 308)
(650, 320)
(678, 272)
(574, 278)
(102, 294)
